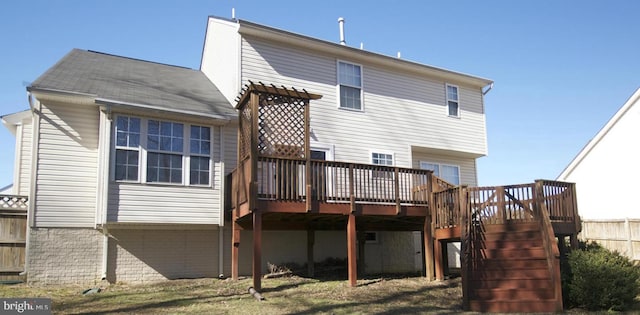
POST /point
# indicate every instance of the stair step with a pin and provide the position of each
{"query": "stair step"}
(510, 274)
(520, 284)
(533, 252)
(498, 228)
(512, 294)
(524, 306)
(511, 235)
(509, 243)
(512, 263)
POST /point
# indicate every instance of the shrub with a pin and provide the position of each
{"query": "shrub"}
(595, 278)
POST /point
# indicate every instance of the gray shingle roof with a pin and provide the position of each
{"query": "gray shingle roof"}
(134, 81)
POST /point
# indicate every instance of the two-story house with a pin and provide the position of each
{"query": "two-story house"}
(124, 161)
(375, 109)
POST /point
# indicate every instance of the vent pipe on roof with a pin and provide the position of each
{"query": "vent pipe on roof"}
(341, 23)
(399, 55)
(233, 13)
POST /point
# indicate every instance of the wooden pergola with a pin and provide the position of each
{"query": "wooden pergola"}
(278, 186)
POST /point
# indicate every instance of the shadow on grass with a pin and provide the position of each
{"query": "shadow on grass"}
(371, 306)
(107, 303)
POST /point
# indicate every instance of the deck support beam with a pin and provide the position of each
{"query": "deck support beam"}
(257, 250)
(235, 245)
(428, 249)
(311, 238)
(351, 251)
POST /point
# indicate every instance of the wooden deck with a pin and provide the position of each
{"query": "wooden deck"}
(277, 185)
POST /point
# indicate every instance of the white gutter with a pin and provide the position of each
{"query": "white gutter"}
(163, 109)
(105, 251)
(35, 139)
(105, 160)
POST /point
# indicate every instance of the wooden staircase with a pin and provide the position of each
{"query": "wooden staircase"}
(509, 270)
(510, 260)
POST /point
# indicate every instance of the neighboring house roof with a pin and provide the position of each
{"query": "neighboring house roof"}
(274, 34)
(600, 135)
(11, 121)
(6, 190)
(127, 81)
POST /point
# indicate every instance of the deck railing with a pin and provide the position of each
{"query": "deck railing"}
(496, 205)
(331, 181)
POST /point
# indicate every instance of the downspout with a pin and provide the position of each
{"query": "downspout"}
(106, 162)
(222, 202)
(35, 139)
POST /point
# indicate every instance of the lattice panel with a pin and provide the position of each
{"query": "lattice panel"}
(281, 126)
(245, 132)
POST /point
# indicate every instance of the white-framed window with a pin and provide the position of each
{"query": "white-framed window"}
(349, 86)
(165, 148)
(450, 173)
(453, 100)
(200, 157)
(127, 159)
(158, 151)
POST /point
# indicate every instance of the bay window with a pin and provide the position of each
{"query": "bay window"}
(156, 151)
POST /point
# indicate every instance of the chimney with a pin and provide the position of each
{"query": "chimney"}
(341, 23)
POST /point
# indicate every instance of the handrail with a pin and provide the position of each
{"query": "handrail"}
(465, 245)
(548, 240)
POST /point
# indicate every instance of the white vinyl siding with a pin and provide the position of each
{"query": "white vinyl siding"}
(140, 203)
(67, 166)
(402, 109)
(24, 167)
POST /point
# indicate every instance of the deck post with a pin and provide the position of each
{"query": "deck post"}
(311, 238)
(428, 248)
(235, 245)
(257, 249)
(437, 248)
(351, 250)
(573, 241)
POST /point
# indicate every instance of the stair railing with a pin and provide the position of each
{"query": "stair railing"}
(465, 244)
(548, 242)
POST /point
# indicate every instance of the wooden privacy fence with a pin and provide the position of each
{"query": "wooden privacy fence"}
(13, 227)
(622, 235)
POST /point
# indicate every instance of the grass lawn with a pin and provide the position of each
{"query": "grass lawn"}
(292, 295)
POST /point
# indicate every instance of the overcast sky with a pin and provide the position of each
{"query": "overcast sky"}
(561, 68)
